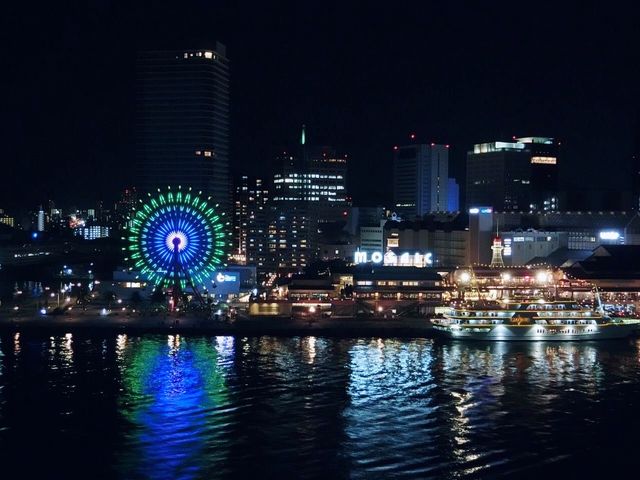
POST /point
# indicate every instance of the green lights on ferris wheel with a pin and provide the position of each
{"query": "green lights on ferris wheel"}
(175, 234)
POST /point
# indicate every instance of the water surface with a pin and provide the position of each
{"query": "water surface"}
(175, 407)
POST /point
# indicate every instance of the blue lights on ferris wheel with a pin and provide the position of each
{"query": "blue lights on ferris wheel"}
(175, 235)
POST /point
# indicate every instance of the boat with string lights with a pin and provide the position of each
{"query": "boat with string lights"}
(528, 305)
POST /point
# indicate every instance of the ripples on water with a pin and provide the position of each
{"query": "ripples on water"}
(172, 407)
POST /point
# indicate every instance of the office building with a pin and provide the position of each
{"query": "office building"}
(92, 232)
(499, 176)
(420, 179)
(250, 222)
(529, 235)
(183, 122)
(41, 220)
(6, 219)
(309, 189)
(544, 172)
(317, 176)
(453, 196)
(372, 237)
(444, 236)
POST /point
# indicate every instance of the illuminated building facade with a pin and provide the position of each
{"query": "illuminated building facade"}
(453, 196)
(6, 219)
(538, 234)
(309, 189)
(250, 222)
(499, 176)
(42, 220)
(125, 206)
(420, 179)
(92, 232)
(446, 236)
(389, 291)
(183, 122)
(544, 172)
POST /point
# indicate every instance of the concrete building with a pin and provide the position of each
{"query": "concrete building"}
(309, 189)
(41, 220)
(519, 247)
(6, 219)
(499, 176)
(182, 124)
(250, 222)
(453, 196)
(372, 237)
(545, 155)
(420, 179)
(92, 232)
(445, 236)
(571, 230)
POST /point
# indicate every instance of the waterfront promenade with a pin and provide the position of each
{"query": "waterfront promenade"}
(241, 325)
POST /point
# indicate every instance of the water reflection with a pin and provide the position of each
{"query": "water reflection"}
(307, 407)
(391, 380)
(175, 397)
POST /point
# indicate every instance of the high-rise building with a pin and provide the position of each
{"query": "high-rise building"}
(183, 121)
(41, 220)
(124, 207)
(544, 172)
(453, 196)
(420, 179)
(309, 188)
(92, 232)
(250, 222)
(499, 176)
(6, 219)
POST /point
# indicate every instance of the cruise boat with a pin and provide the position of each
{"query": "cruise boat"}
(538, 320)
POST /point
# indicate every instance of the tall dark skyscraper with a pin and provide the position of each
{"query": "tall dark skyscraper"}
(499, 176)
(250, 222)
(183, 121)
(544, 172)
(309, 189)
(514, 176)
(420, 179)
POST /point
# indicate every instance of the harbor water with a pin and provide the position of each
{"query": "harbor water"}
(173, 407)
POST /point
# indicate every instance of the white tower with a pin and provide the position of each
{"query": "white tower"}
(496, 248)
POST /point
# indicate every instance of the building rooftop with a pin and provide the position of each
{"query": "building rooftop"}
(396, 273)
(562, 257)
(609, 261)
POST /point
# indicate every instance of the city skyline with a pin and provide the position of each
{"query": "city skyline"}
(363, 83)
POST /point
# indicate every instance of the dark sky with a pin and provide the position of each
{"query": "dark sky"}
(360, 76)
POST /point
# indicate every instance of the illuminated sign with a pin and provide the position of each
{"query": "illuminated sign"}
(609, 235)
(391, 259)
(477, 210)
(225, 277)
(544, 160)
(507, 247)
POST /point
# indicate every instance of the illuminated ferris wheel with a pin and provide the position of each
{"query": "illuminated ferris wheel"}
(176, 238)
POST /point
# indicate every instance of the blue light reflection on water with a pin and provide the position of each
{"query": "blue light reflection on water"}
(173, 393)
(194, 407)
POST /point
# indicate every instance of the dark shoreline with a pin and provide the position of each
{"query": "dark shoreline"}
(286, 327)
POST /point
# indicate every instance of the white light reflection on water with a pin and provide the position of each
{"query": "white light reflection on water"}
(313, 407)
(390, 379)
(309, 349)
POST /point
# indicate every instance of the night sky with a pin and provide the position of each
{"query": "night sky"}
(360, 77)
